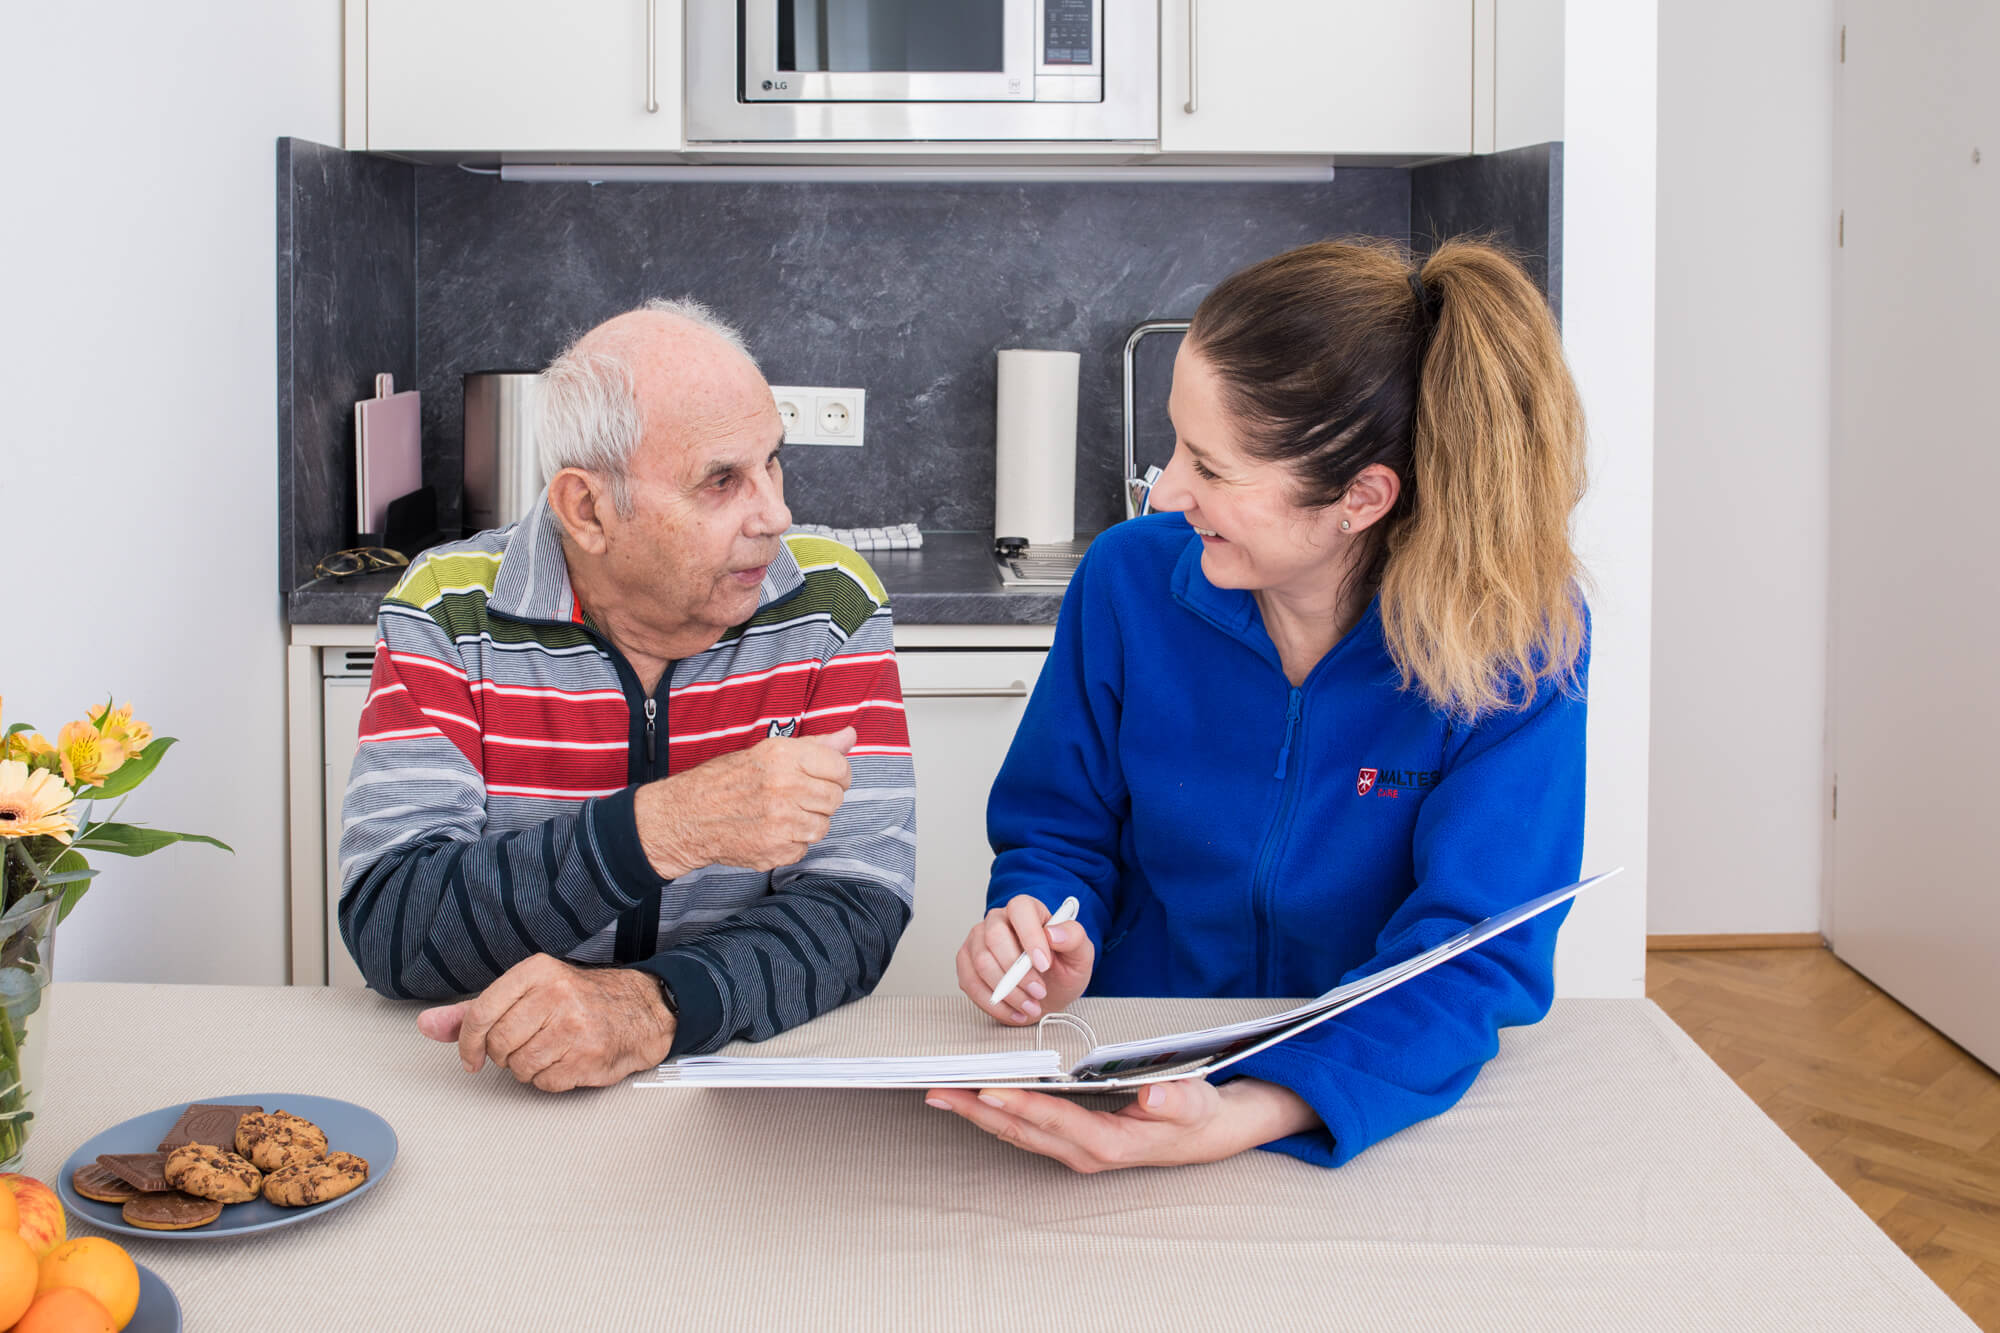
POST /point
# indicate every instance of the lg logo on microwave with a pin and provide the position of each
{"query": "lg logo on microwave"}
(776, 84)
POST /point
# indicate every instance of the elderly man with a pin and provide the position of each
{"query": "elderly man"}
(636, 768)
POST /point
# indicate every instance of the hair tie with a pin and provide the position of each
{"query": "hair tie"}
(1423, 295)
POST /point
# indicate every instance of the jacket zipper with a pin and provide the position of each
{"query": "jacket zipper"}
(638, 930)
(1291, 729)
(1260, 891)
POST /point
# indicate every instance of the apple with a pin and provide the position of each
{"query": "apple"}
(42, 1224)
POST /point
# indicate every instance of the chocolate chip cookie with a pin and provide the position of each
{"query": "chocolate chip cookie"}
(275, 1139)
(315, 1182)
(211, 1173)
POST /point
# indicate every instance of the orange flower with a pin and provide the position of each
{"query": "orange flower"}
(88, 756)
(33, 803)
(117, 724)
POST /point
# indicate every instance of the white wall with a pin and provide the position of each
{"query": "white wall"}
(1608, 210)
(1746, 236)
(138, 356)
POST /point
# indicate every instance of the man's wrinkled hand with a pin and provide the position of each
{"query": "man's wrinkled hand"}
(559, 1026)
(761, 808)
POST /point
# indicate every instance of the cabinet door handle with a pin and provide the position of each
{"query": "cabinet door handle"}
(652, 55)
(1194, 68)
(1018, 690)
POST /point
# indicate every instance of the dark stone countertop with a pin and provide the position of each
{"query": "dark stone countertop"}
(951, 581)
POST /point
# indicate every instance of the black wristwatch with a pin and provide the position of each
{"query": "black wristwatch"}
(667, 997)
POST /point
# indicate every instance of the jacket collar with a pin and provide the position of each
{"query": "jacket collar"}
(1235, 612)
(533, 580)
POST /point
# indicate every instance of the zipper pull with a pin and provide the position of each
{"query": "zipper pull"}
(1291, 728)
(652, 711)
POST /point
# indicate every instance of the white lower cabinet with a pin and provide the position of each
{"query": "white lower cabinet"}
(340, 715)
(963, 707)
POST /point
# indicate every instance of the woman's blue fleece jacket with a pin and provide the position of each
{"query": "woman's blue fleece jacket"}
(1229, 835)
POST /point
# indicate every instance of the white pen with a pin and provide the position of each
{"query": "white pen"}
(1019, 968)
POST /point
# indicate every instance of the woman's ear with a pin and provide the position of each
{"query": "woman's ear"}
(1370, 497)
(582, 506)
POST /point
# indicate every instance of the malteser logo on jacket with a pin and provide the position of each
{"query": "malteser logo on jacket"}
(1393, 782)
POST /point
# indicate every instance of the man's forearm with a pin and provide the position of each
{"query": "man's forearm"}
(808, 948)
(441, 917)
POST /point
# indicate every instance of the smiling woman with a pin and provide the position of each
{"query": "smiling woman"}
(1323, 714)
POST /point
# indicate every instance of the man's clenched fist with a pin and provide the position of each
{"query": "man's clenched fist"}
(760, 808)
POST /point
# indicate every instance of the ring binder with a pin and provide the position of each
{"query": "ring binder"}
(1103, 1068)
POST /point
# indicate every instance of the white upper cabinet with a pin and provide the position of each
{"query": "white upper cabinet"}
(1316, 76)
(517, 75)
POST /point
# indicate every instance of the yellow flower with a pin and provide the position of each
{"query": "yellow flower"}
(33, 804)
(29, 747)
(134, 736)
(88, 756)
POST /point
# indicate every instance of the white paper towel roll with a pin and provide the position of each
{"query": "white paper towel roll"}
(1034, 493)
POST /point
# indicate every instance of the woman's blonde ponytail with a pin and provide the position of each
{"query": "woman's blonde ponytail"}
(1480, 597)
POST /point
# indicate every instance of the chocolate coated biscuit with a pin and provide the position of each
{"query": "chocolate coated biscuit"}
(171, 1211)
(143, 1171)
(101, 1183)
(206, 1122)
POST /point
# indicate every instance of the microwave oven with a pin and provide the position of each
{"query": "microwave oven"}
(882, 71)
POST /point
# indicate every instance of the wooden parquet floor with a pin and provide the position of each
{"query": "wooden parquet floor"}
(1903, 1120)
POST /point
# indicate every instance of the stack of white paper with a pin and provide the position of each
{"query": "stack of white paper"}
(893, 1071)
(1119, 1065)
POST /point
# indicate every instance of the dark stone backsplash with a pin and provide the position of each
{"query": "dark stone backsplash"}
(904, 290)
(347, 272)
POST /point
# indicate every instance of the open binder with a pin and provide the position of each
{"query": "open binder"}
(1103, 1067)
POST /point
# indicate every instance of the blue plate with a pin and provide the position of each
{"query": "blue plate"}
(349, 1128)
(159, 1309)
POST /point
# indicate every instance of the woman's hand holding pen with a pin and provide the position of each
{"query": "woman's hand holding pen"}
(1062, 957)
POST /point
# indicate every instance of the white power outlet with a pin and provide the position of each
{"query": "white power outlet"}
(814, 415)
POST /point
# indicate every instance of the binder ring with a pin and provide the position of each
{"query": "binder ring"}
(1067, 1020)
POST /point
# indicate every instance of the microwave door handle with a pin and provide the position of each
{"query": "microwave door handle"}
(652, 56)
(1194, 42)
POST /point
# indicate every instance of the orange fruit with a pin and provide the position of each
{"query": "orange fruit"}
(66, 1310)
(19, 1274)
(98, 1266)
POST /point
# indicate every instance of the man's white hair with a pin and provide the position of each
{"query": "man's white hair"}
(589, 415)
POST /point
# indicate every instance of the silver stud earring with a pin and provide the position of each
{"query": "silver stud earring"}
(1345, 525)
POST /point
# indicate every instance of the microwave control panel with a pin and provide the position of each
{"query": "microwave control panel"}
(1068, 37)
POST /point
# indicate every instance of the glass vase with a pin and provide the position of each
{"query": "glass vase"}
(27, 955)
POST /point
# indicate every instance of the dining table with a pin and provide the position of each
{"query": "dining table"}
(1600, 1174)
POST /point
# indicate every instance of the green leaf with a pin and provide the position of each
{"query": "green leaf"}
(18, 726)
(138, 840)
(11, 920)
(130, 773)
(69, 861)
(67, 876)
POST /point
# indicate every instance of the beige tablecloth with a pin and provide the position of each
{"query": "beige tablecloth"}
(1601, 1174)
